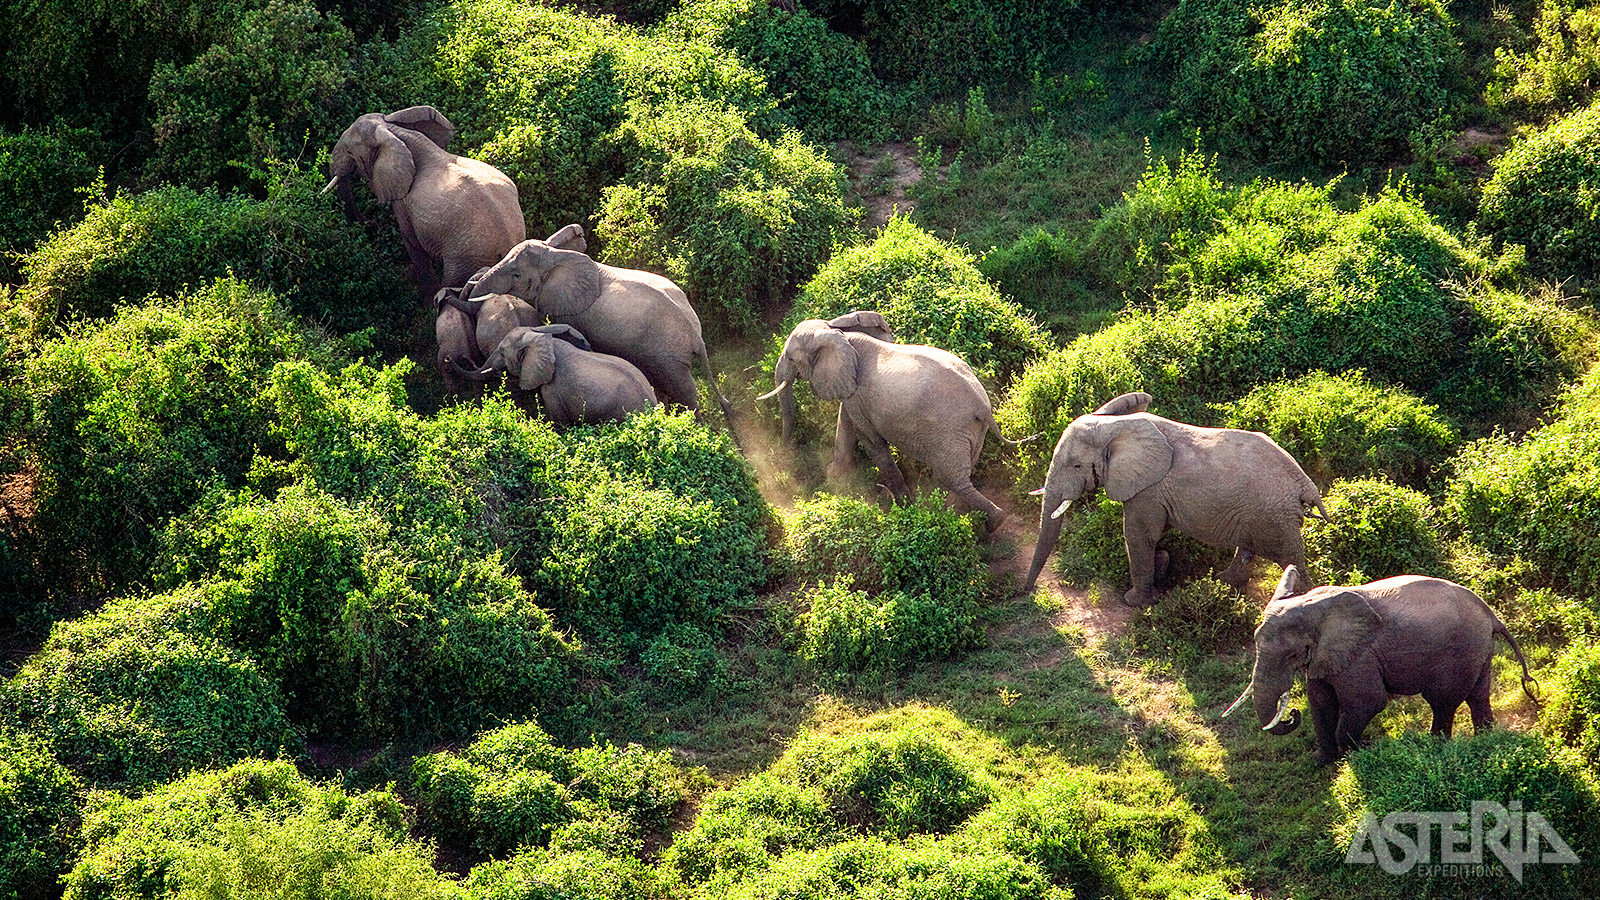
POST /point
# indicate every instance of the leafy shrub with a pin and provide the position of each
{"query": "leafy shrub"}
(512, 788)
(1197, 620)
(741, 830)
(1325, 81)
(849, 630)
(1571, 712)
(1420, 774)
(38, 817)
(140, 692)
(930, 292)
(1557, 70)
(683, 662)
(166, 240)
(136, 417)
(873, 867)
(254, 829)
(1037, 270)
(1344, 426)
(1378, 529)
(41, 176)
(1543, 195)
(543, 874)
(275, 84)
(1537, 498)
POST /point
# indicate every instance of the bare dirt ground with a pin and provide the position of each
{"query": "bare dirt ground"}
(881, 178)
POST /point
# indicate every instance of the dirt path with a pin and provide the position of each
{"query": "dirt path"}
(881, 178)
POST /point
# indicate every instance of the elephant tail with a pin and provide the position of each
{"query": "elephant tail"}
(995, 428)
(1527, 679)
(1311, 503)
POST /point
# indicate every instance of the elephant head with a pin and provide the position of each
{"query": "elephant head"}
(371, 147)
(527, 354)
(558, 282)
(819, 352)
(1107, 448)
(1319, 634)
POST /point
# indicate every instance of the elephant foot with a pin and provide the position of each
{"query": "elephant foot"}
(1324, 758)
(1136, 598)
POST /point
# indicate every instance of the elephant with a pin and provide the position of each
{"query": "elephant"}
(1358, 646)
(575, 384)
(456, 212)
(640, 316)
(1222, 486)
(922, 400)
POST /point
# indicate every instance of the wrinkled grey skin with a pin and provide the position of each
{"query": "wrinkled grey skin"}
(575, 385)
(921, 400)
(1357, 646)
(637, 315)
(1220, 486)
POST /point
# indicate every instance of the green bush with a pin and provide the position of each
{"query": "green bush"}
(872, 867)
(1378, 529)
(1039, 270)
(1538, 498)
(930, 292)
(1195, 621)
(1416, 773)
(42, 174)
(1557, 70)
(542, 874)
(141, 691)
(1344, 426)
(740, 831)
(847, 630)
(39, 802)
(254, 829)
(1543, 194)
(136, 417)
(272, 87)
(683, 662)
(171, 239)
(1321, 81)
(1571, 712)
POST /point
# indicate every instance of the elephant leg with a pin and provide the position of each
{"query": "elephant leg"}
(1139, 537)
(973, 498)
(421, 269)
(1324, 703)
(679, 387)
(1478, 700)
(1237, 574)
(844, 447)
(1359, 703)
(893, 478)
(1444, 716)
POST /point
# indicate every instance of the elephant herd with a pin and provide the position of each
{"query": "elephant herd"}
(595, 343)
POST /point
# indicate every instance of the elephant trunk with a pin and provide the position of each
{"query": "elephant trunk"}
(478, 375)
(784, 375)
(1271, 707)
(1049, 533)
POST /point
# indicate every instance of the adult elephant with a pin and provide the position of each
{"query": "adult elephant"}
(453, 212)
(1357, 646)
(1221, 486)
(640, 316)
(921, 400)
(575, 385)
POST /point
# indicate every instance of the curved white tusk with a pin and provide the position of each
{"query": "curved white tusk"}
(1061, 509)
(1249, 689)
(1036, 493)
(1283, 704)
(329, 186)
(774, 392)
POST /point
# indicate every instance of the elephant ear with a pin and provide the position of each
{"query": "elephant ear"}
(424, 120)
(866, 321)
(393, 170)
(1349, 624)
(1137, 456)
(833, 366)
(1289, 584)
(570, 237)
(566, 333)
(1135, 402)
(538, 362)
(571, 284)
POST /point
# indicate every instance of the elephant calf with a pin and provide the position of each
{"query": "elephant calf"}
(575, 385)
(1360, 645)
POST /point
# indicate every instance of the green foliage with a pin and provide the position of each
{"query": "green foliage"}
(1417, 773)
(847, 630)
(873, 867)
(38, 817)
(141, 691)
(1037, 270)
(544, 874)
(136, 417)
(1538, 498)
(42, 174)
(1196, 621)
(512, 788)
(930, 292)
(1378, 529)
(274, 85)
(1571, 712)
(1344, 426)
(1543, 194)
(1557, 71)
(254, 829)
(1320, 81)
(683, 662)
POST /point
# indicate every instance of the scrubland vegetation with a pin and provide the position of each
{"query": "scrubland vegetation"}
(280, 617)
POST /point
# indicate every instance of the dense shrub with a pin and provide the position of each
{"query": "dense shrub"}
(254, 829)
(542, 874)
(1377, 529)
(38, 817)
(1543, 194)
(1038, 270)
(1571, 712)
(1538, 498)
(1557, 70)
(1416, 773)
(872, 867)
(1344, 426)
(272, 87)
(141, 691)
(1196, 621)
(513, 787)
(847, 630)
(161, 242)
(683, 662)
(41, 176)
(136, 417)
(930, 292)
(740, 831)
(1325, 81)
